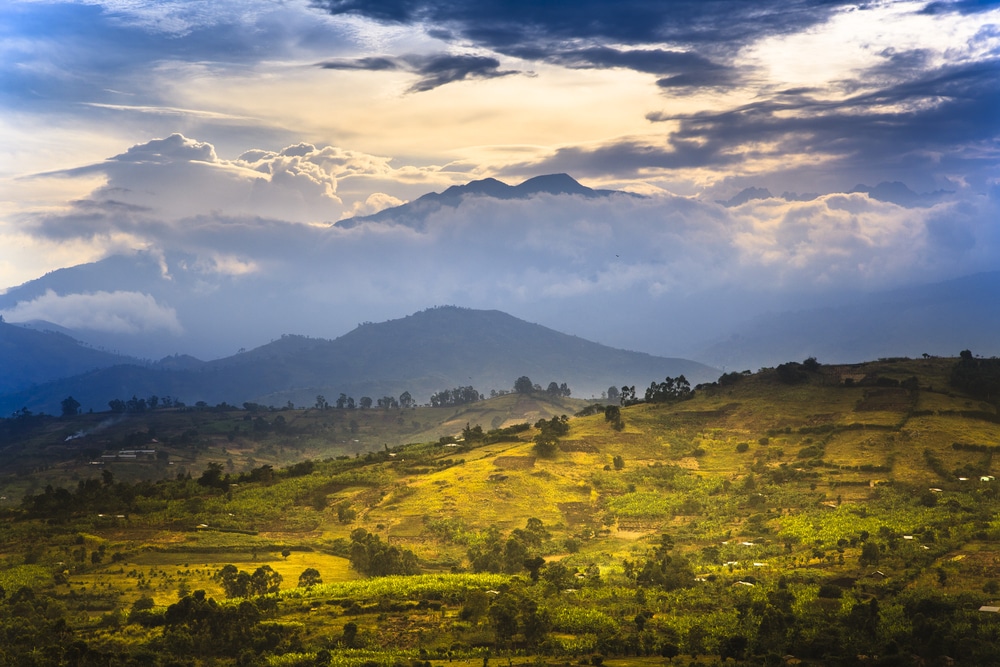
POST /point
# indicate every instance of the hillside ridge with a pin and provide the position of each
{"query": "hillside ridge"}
(436, 349)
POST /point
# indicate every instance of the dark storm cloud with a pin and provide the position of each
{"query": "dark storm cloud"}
(434, 70)
(934, 119)
(681, 68)
(371, 64)
(506, 25)
(575, 33)
(961, 6)
(579, 34)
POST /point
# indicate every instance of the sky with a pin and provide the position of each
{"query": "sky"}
(224, 138)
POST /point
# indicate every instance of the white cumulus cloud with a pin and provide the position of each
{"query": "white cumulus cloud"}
(113, 312)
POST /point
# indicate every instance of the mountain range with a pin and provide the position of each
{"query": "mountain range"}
(179, 301)
(415, 213)
(427, 352)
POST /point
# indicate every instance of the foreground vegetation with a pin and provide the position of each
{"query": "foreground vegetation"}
(806, 514)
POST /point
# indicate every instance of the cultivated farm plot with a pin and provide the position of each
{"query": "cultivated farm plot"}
(861, 448)
(161, 574)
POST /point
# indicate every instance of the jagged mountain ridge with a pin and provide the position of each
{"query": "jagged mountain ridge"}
(429, 351)
(415, 213)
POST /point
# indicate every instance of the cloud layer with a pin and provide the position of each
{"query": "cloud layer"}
(554, 252)
(118, 312)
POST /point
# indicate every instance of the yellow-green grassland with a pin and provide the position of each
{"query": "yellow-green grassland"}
(808, 514)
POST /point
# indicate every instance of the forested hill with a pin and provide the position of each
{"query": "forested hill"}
(430, 351)
(30, 356)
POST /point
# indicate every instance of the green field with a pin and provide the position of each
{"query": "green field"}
(786, 517)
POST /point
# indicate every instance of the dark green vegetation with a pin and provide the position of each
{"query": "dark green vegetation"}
(807, 514)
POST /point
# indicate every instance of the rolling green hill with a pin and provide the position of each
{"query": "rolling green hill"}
(801, 515)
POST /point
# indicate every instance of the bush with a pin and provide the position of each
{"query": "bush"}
(830, 592)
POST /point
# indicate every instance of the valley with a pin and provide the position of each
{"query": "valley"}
(805, 514)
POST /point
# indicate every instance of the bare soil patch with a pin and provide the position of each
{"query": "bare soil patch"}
(576, 513)
(579, 446)
(514, 462)
(887, 399)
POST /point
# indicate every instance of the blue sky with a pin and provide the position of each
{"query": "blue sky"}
(234, 133)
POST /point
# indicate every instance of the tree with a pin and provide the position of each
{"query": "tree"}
(546, 442)
(559, 576)
(613, 414)
(350, 634)
(405, 400)
(533, 565)
(613, 393)
(370, 556)
(627, 395)
(264, 581)
(503, 618)
(669, 391)
(472, 433)
(212, 477)
(135, 404)
(70, 407)
(235, 583)
(869, 554)
(733, 647)
(310, 577)
(552, 389)
(365, 402)
(345, 514)
(321, 403)
(669, 650)
(476, 604)
(523, 385)
(456, 396)
(669, 571)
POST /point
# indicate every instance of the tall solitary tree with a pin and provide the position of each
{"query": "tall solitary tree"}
(310, 577)
(70, 407)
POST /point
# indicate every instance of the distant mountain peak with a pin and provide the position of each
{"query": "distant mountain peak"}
(557, 184)
(900, 194)
(415, 213)
(745, 195)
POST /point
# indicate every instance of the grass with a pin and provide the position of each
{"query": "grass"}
(759, 481)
